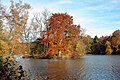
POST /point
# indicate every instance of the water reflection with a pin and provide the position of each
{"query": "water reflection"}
(87, 68)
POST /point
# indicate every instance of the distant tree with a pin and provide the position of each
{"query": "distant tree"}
(87, 40)
(108, 48)
(115, 39)
(38, 47)
(39, 24)
(101, 45)
(82, 32)
(118, 50)
(80, 47)
(95, 40)
(96, 48)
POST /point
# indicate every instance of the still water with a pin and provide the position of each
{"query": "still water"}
(90, 67)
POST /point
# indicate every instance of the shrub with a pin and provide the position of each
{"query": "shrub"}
(11, 70)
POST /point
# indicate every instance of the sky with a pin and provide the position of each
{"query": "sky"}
(97, 17)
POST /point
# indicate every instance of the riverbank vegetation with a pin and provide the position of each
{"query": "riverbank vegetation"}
(107, 45)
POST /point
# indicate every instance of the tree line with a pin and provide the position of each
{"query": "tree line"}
(106, 45)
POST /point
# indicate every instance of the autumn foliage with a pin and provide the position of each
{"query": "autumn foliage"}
(13, 25)
(61, 30)
(107, 45)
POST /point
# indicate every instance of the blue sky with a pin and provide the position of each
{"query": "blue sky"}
(98, 17)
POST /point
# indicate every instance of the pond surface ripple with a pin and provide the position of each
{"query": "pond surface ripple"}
(90, 67)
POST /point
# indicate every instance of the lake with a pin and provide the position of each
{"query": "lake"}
(90, 67)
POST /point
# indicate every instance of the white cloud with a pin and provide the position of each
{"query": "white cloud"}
(114, 1)
(82, 20)
(102, 7)
(93, 31)
(116, 22)
(63, 2)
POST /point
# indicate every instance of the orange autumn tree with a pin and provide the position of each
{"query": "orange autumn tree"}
(60, 31)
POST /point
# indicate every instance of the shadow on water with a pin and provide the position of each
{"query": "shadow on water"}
(92, 67)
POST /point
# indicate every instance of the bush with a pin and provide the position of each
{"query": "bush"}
(11, 70)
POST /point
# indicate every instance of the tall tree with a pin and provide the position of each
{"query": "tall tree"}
(13, 24)
(61, 30)
(4, 47)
